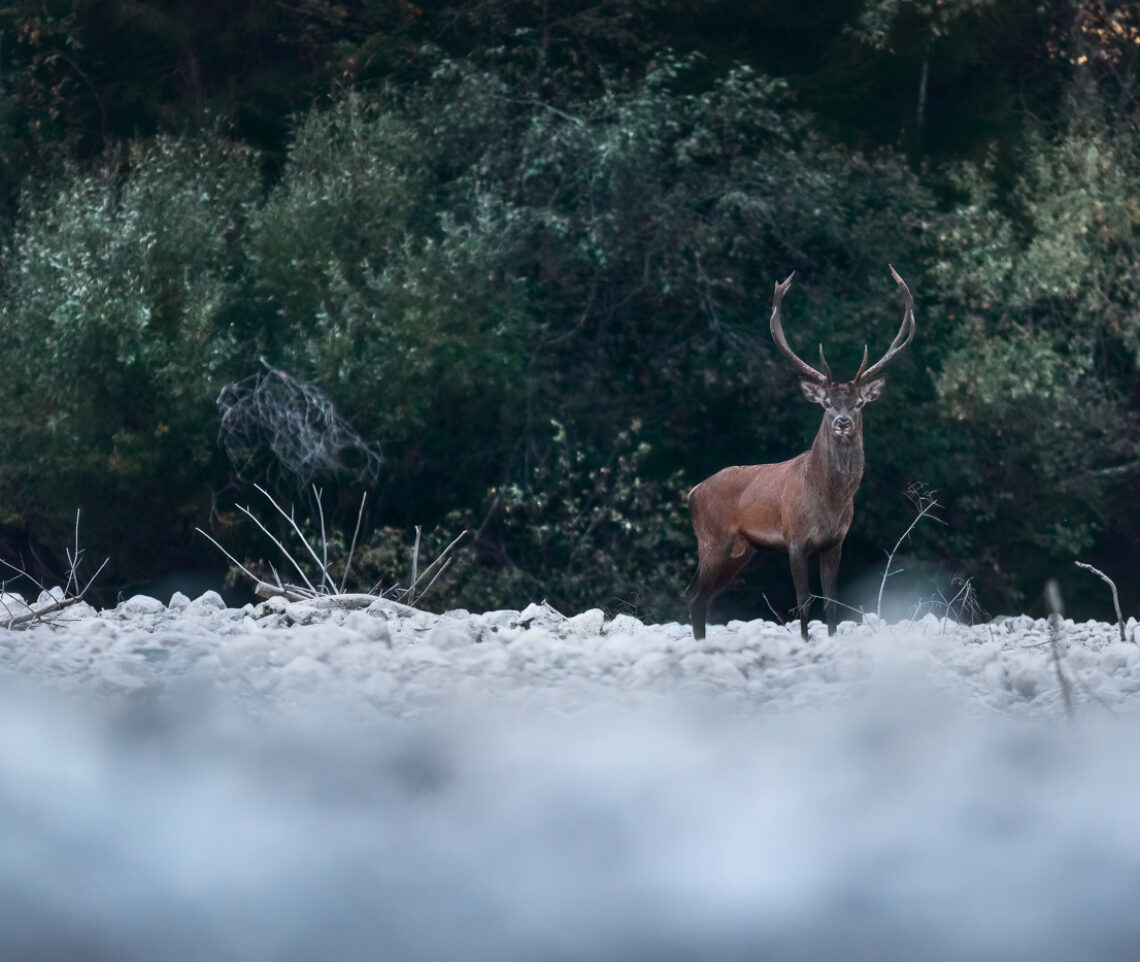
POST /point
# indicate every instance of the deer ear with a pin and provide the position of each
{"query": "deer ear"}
(813, 391)
(872, 389)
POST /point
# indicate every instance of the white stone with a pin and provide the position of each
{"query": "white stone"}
(143, 604)
(303, 671)
(302, 614)
(501, 618)
(541, 614)
(387, 608)
(589, 622)
(623, 624)
(445, 636)
(209, 599)
(273, 606)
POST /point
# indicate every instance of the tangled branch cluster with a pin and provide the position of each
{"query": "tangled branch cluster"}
(273, 422)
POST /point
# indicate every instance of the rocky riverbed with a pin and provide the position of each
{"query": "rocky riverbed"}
(355, 779)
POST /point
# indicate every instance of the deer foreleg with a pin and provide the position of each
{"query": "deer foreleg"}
(714, 572)
(829, 578)
(797, 557)
(698, 605)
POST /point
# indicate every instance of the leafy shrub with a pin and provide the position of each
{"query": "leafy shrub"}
(392, 300)
(120, 318)
(579, 533)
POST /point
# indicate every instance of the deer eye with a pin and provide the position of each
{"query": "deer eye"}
(859, 402)
(827, 402)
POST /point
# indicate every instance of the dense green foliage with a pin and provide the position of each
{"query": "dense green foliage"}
(532, 257)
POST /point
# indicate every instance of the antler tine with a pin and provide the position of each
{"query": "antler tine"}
(823, 363)
(782, 342)
(902, 339)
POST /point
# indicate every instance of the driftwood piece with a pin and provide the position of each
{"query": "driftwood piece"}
(36, 611)
(348, 601)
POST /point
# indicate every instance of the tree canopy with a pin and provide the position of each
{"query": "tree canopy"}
(527, 250)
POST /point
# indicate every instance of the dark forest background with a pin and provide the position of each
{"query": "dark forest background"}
(526, 250)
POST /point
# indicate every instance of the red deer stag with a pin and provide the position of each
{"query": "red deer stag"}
(803, 506)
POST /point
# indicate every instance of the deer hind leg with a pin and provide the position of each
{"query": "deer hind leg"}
(715, 571)
(798, 559)
(829, 578)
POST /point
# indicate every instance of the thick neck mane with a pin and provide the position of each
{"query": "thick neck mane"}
(837, 463)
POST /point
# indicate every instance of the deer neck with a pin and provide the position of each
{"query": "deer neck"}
(836, 464)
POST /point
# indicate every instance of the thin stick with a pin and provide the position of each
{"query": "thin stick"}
(352, 549)
(1054, 603)
(415, 568)
(841, 604)
(37, 611)
(12, 617)
(779, 620)
(244, 570)
(91, 580)
(950, 604)
(21, 571)
(442, 555)
(442, 569)
(73, 574)
(293, 561)
(1066, 688)
(296, 528)
(290, 593)
(1115, 597)
(924, 508)
(317, 492)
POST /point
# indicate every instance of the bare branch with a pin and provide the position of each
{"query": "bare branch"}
(442, 569)
(69, 595)
(265, 590)
(293, 523)
(776, 614)
(293, 561)
(926, 503)
(352, 548)
(317, 492)
(415, 569)
(1115, 597)
(835, 601)
(442, 555)
(234, 561)
(1056, 610)
(328, 589)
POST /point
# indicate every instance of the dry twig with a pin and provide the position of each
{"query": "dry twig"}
(27, 614)
(1056, 610)
(926, 502)
(326, 590)
(1115, 597)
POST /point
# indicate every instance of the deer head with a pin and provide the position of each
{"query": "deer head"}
(843, 401)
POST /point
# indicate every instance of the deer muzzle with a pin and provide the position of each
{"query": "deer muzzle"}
(843, 426)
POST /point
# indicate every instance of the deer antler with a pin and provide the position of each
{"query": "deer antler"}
(782, 342)
(902, 339)
(823, 363)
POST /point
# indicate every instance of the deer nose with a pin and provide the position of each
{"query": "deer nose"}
(843, 424)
